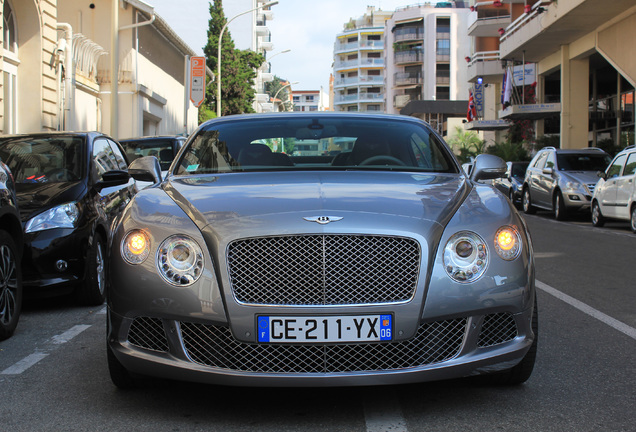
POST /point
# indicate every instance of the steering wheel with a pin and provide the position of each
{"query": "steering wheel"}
(382, 160)
(61, 174)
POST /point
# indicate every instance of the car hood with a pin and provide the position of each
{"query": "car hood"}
(34, 198)
(585, 177)
(252, 203)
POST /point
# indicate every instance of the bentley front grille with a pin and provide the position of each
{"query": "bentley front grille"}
(497, 328)
(323, 269)
(215, 346)
(148, 333)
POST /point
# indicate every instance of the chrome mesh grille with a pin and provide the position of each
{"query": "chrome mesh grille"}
(497, 328)
(216, 347)
(148, 333)
(323, 269)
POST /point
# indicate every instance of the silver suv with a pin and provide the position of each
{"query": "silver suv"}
(615, 193)
(562, 180)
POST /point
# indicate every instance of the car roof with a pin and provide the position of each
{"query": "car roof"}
(581, 150)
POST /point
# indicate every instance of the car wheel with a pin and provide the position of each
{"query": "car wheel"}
(10, 286)
(633, 219)
(597, 217)
(119, 375)
(522, 371)
(560, 212)
(93, 291)
(528, 208)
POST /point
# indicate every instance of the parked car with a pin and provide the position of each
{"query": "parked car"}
(562, 180)
(247, 266)
(10, 255)
(511, 184)
(70, 187)
(164, 148)
(615, 193)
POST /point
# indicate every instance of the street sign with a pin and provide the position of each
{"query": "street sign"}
(197, 80)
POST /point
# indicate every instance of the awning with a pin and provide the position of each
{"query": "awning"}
(487, 125)
(530, 111)
(453, 108)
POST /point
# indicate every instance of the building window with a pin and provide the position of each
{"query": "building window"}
(309, 98)
(9, 43)
(442, 93)
(10, 69)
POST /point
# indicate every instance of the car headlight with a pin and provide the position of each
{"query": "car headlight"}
(574, 187)
(508, 243)
(180, 260)
(465, 257)
(63, 216)
(135, 247)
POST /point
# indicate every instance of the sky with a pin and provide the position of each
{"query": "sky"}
(306, 27)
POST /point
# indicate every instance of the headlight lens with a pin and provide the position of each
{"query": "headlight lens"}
(63, 216)
(180, 260)
(508, 243)
(573, 186)
(136, 247)
(465, 257)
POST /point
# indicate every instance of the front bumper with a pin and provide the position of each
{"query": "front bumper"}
(208, 353)
(576, 201)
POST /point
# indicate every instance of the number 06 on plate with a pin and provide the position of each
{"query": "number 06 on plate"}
(346, 328)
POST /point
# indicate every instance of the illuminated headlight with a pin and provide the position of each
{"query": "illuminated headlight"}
(136, 247)
(508, 243)
(465, 257)
(180, 260)
(63, 216)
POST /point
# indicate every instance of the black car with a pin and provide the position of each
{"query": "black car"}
(70, 187)
(164, 148)
(512, 184)
(10, 254)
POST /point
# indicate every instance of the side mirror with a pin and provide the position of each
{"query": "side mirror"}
(601, 174)
(145, 169)
(547, 171)
(488, 167)
(113, 178)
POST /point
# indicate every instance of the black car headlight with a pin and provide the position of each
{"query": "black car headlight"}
(62, 216)
(180, 260)
(465, 257)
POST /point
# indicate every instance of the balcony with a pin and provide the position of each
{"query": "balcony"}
(485, 65)
(550, 24)
(359, 80)
(400, 101)
(407, 79)
(340, 48)
(261, 30)
(358, 97)
(402, 57)
(355, 63)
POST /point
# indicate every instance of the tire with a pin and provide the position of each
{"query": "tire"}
(560, 212)
(119, 375)
(528, 208)
(597, 217)
(522, 371)
(93, 291)
(632, 219)
(10, 286)
(511, 197)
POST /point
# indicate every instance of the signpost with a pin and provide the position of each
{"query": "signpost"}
(197, 80)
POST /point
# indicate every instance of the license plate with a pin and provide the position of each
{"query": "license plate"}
(308, 329)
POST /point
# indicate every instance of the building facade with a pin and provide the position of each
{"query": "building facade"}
(57, 61)
(310, 100)
(573, 69)
(359, 64)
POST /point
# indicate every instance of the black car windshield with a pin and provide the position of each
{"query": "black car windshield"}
(320, 142)
(44, 159)
(582, 161)
(518, 170)
(162, 148)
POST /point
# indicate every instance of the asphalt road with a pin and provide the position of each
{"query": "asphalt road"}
(53, 373)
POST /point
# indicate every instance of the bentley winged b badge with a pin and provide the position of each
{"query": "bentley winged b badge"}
(322, 220)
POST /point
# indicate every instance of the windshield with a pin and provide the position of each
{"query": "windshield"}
(330, 142)
(162, 149)
(44, 160)
(582, 161)
(519, 170)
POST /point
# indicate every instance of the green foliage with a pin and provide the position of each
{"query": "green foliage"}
(238, 67)
(206, 113)
(509, 151)
(273, 88)
(466, 144)
(548, 141)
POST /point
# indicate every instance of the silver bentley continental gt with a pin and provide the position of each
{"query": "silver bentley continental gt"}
(320, 249)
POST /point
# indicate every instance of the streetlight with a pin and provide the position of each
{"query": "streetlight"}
(218, 70)
(282, 52)
(285, 86)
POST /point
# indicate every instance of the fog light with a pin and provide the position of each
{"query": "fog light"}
(574, 197)
(61, 265)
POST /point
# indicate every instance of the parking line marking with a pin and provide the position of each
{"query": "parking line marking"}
(612, 322)
(69, 334)
(383, 414)
(24, 364)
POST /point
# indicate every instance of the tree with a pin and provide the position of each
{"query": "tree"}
(238, 67)
(274, 87)
(467, 143)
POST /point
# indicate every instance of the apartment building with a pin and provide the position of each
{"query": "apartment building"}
(573, 66)
(359, 63)
(310, 100)
(425, 62)
(57, 59)
(250, 32)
